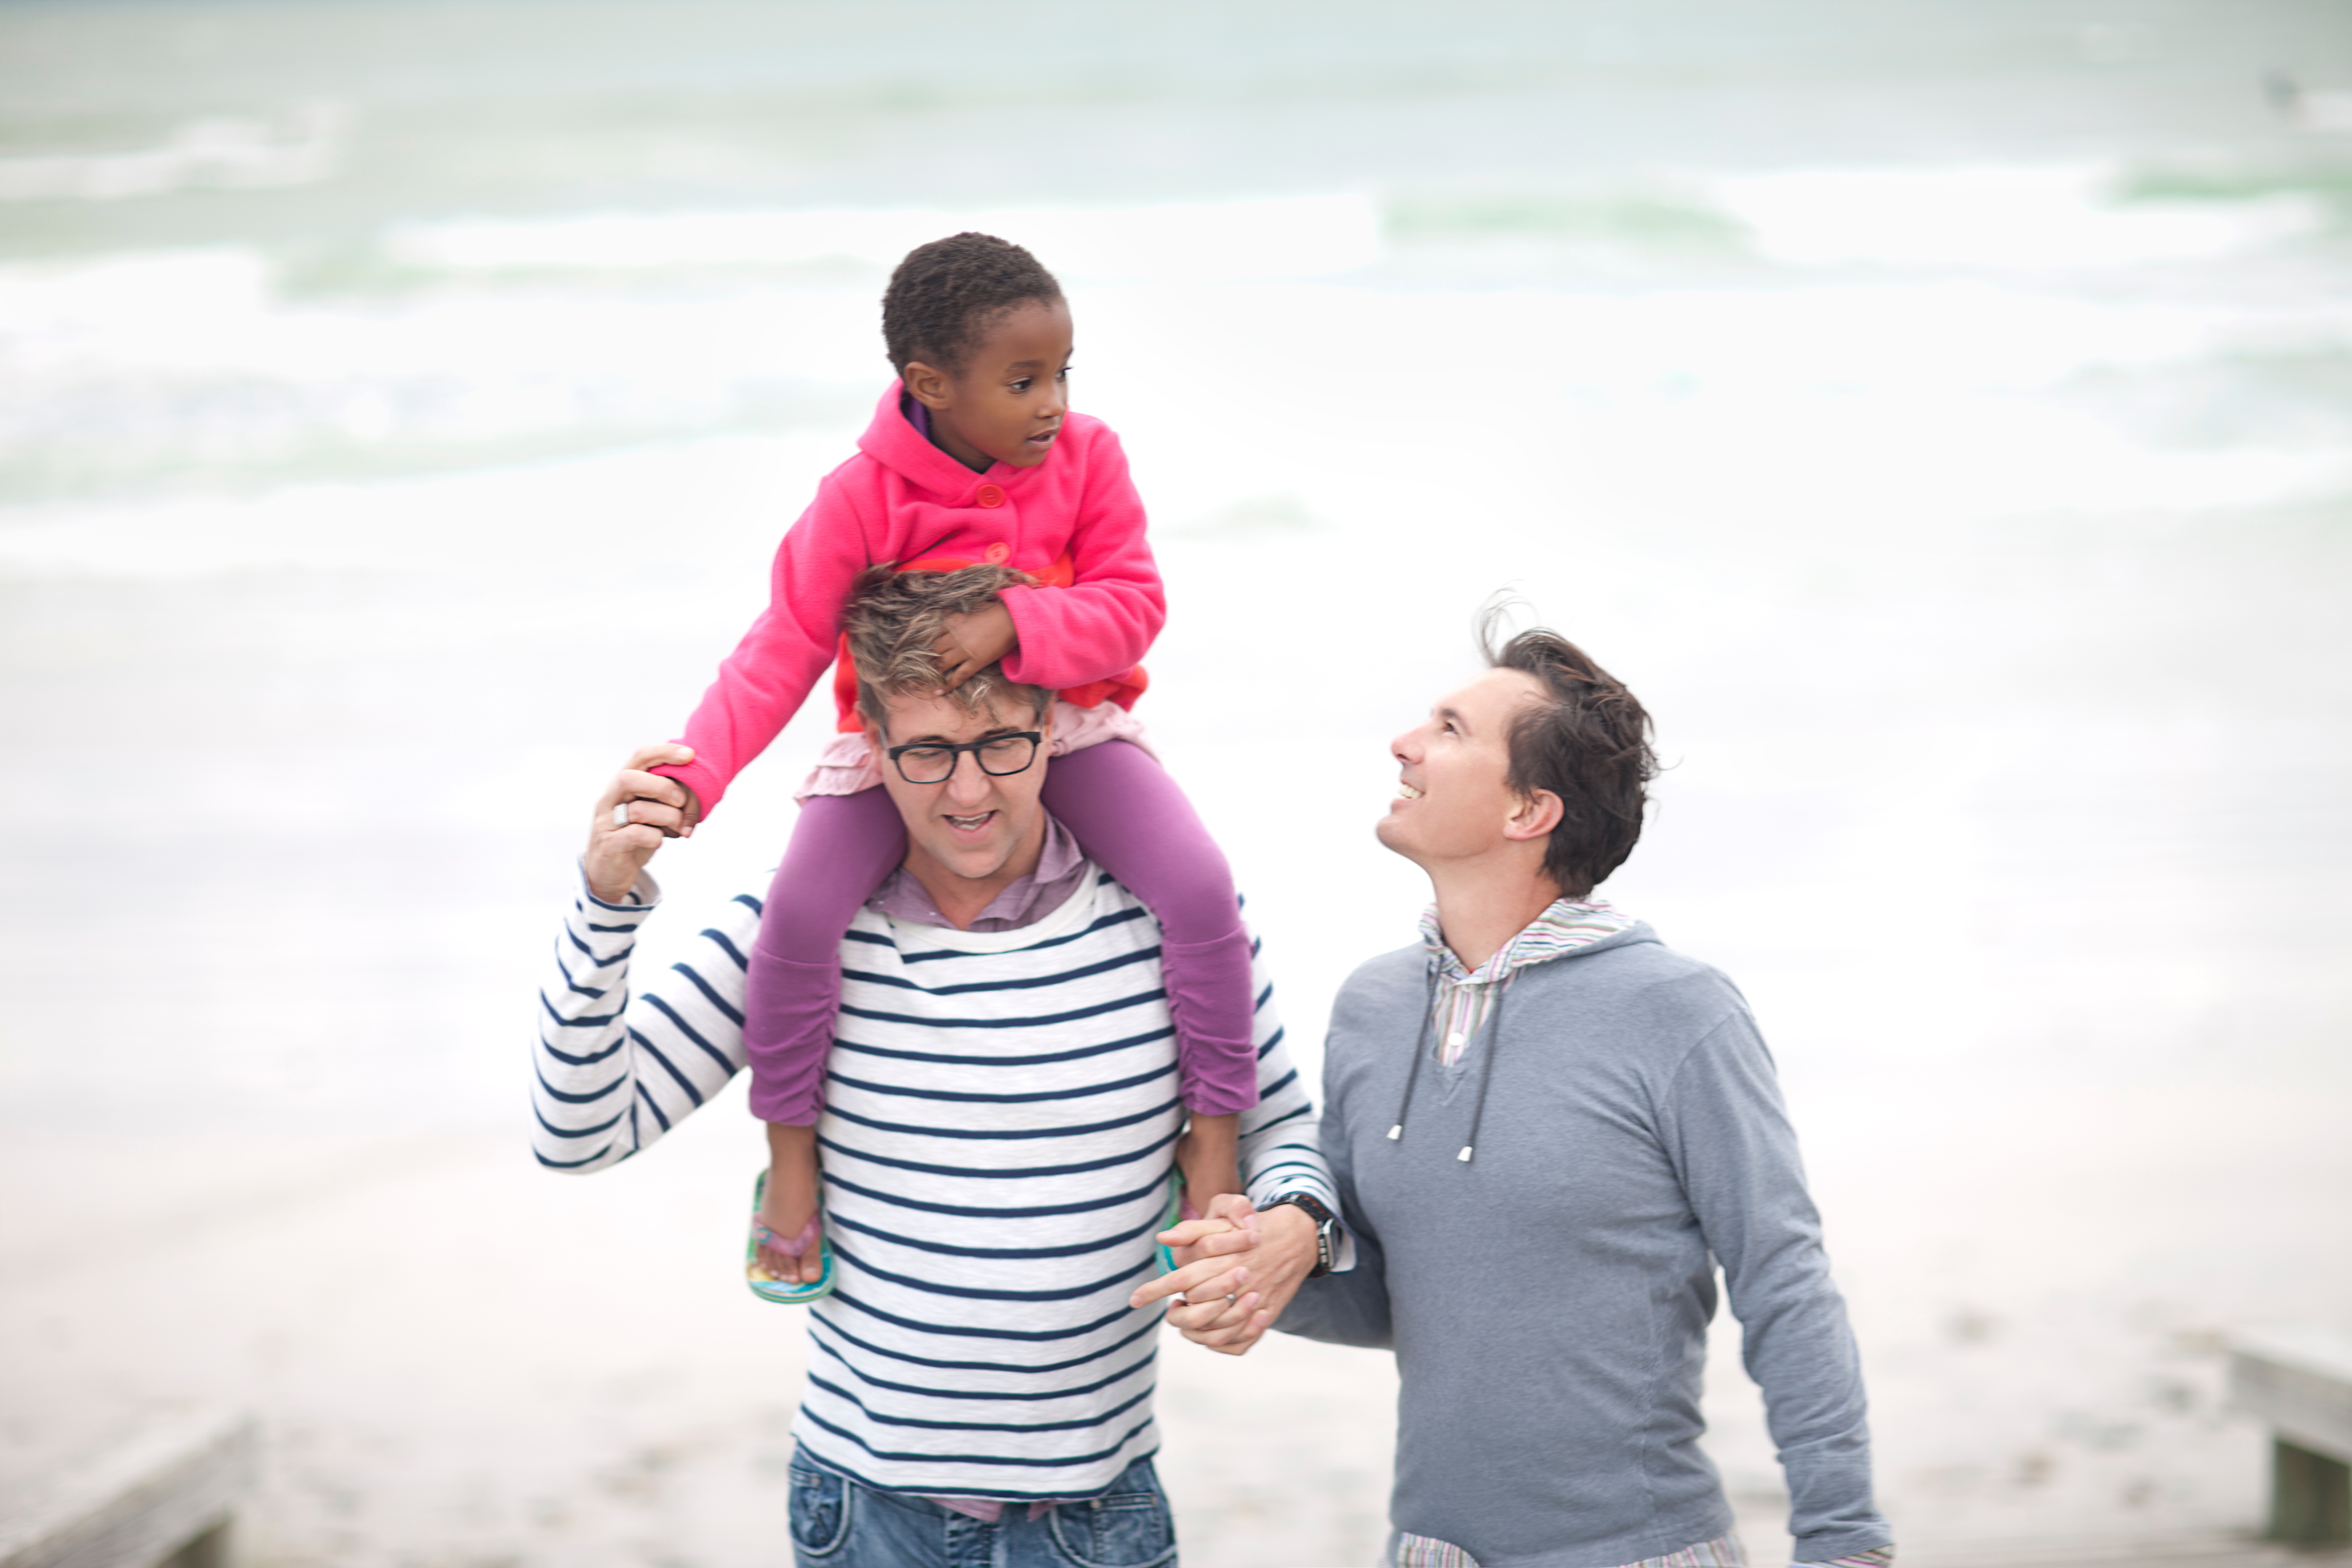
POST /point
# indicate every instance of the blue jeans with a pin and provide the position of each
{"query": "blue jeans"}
(838, 1524)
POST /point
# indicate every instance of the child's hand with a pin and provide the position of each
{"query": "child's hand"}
(973, 642)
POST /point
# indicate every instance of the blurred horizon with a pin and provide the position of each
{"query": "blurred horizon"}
(347, 166)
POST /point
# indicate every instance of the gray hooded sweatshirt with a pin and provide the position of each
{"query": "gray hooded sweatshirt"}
(1547, 1300)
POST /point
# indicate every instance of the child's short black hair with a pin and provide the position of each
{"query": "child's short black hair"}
(946, 295)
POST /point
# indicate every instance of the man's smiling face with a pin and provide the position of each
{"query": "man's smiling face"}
(1452, 803)
(974, 827)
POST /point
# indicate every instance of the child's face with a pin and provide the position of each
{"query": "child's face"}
(1007, 405)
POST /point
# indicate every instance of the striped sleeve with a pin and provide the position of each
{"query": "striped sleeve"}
(1280, 1150)
(615, 1071)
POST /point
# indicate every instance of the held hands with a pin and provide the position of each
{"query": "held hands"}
(1257, 1259)
(975, 641)
(634, 813)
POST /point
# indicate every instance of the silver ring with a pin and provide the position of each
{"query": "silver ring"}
(621, 814)
(1229, 1298)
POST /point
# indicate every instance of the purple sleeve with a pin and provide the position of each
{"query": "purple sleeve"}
(842, 848)
(1136, 824)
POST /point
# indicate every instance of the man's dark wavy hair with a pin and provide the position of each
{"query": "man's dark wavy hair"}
(946, 295)
(1587, 740)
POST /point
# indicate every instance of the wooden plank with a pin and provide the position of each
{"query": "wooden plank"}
(164, 1495)
(2197, 1550)
(2299, 1382)
(2310, 1497)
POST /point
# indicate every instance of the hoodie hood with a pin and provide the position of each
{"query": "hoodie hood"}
(1566, 927)
(892, 440)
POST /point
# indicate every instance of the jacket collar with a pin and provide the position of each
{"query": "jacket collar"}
(1565, 928)
(892, 440)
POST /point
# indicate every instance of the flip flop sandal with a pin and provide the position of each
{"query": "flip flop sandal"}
(766, 1286)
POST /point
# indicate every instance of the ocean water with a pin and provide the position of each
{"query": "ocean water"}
(1937, 412)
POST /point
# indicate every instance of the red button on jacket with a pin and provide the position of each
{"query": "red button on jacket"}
(998, 553)
(990, 495)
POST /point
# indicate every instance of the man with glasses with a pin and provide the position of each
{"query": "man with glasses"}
(930, 762)
(1001, 1111)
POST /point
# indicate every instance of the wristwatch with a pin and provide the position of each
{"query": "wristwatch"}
(1327, 1230)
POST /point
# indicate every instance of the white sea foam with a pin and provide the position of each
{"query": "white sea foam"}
(581, 518)
(1996, 217)
(133, 295)
(132, 364)
(302, 147)
(1288, 237)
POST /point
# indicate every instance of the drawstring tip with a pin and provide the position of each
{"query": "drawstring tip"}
(1465, 1155)
(1396, 1132)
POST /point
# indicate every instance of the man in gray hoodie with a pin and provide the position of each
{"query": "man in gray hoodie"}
(1548, 1129)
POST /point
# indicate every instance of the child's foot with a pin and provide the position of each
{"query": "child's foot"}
(790, 1249)
(796, 1259)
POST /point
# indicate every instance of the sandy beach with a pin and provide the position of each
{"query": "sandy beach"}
(459, 1360)
(505, 1389)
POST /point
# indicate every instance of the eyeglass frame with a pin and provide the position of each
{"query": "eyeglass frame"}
(1036, 739)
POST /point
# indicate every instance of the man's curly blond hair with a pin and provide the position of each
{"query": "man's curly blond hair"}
(896, 618)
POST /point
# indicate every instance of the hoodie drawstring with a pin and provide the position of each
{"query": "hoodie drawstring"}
(1420, 1043)
(1485, 1073)
(1485, 1067)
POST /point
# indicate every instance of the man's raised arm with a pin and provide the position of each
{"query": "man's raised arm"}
(614, 1072)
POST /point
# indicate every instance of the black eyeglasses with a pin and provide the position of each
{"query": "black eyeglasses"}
(934, 762)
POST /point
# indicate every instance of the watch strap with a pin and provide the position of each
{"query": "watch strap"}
(1326, 1228)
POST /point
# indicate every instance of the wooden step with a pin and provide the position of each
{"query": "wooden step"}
(2177, 1551)
(164, 1495)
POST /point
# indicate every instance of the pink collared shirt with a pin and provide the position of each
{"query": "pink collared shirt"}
(1061, 866)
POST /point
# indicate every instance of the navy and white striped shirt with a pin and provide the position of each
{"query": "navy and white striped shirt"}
(1000, 1127)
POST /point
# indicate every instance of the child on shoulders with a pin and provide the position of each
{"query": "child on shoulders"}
(974, 457)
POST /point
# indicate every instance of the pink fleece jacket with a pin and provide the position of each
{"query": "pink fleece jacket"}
(1074, 522)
